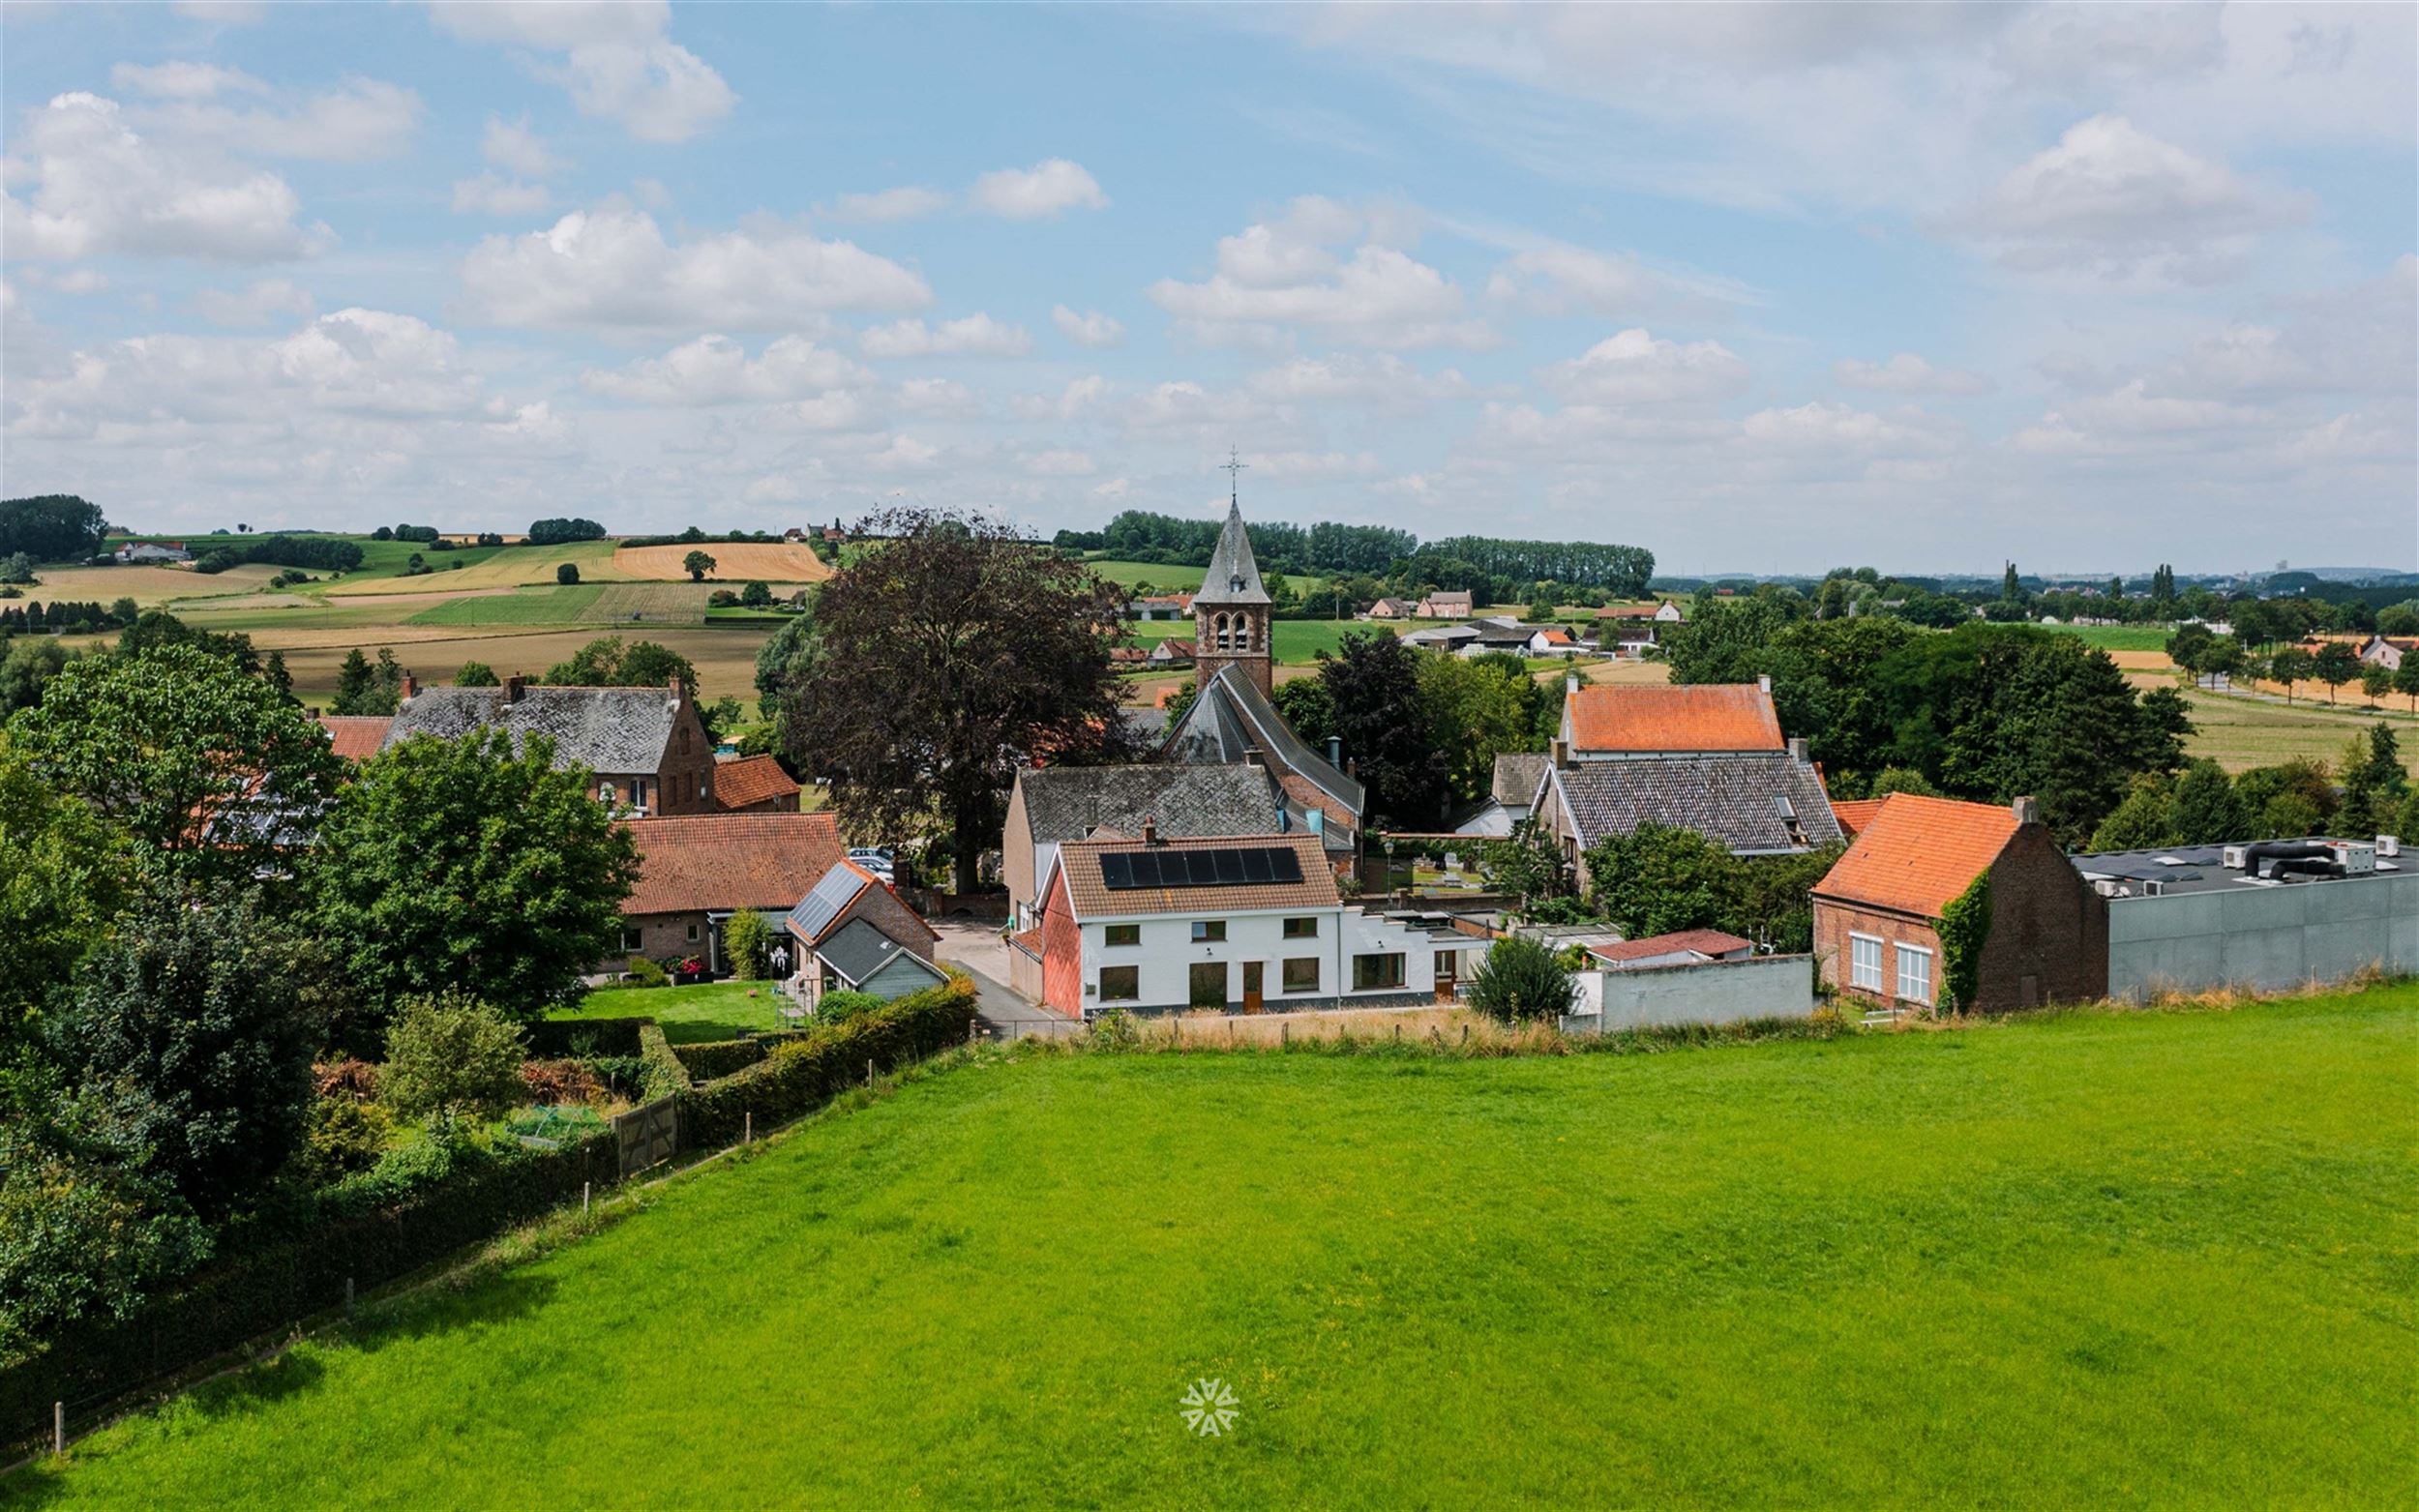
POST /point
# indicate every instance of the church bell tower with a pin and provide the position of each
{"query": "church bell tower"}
(1231, 612)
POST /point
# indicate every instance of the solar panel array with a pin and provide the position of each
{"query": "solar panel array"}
(1124, 870)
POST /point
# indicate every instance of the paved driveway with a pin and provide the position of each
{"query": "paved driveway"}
(978, 950)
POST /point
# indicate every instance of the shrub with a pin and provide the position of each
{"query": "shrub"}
(748, 939)
(561, 1081)
(722, 599)
(583, 1039)
(664, 1074)
(475, 675)
(343, 1135)
(802, 1073)
(839, 1007)
(449, 1057)
(567, 573)
(647, 974)
(1520, 979)
(349, 1078)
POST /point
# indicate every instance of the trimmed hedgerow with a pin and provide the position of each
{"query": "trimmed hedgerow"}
(710, 1060)
(799, 1076)
(665, 1074)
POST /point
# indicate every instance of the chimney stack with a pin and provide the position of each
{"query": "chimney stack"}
(1796, 748)
(1335, 751)
(680, 692)
(2027, 810)
(410, 686)
(1571, 683)
(514, 687)
(1562, 755)
(1764, 683)
(1150, 831)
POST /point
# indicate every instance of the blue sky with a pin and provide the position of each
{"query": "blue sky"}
(1760, 289)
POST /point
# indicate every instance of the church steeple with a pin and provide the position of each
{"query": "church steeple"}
(1231, 612)
(1233, 578)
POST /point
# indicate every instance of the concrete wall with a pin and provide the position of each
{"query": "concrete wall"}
(1715, 992)
(2264, 938)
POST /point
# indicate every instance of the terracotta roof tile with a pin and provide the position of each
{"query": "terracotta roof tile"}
(750, 781)
(1697, 717)
(698, 861)
(1918, 855)
(1854, 814)
(1080, 862)
(1704, 942)
(356, 737)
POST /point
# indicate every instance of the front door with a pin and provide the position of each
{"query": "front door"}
(1448, 968)
(1251, 987)
(1208, 985)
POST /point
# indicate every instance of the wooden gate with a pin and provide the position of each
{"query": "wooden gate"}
(647, 1135)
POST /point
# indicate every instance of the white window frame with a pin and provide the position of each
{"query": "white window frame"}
(1860, 978)
(1910, 955)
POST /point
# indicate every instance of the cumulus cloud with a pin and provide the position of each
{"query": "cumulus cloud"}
(1089, 329)
(1555, 277)
(1636, 368)
(2110, 197)
(616, 61)
(359, 120)
(715, 370)
(95, 185)
(264, 302)
(907, 203)
(492, 195)
(513, 147)
(1046, 188)
(1907, 374)
(1379, 381)
(612, 267)
(974, 336)
(1059, 462)
(182, 80)
(1288, 274)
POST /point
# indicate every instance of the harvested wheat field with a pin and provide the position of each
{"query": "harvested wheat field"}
(145, 585)
(734, 561)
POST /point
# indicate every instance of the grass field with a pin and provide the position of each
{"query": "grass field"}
(2148, 1259)
(2239, 732)
(560, 606)
(2119, 638)
(485, 567)
(1293, 640)
(147, 586)
(708, 1011)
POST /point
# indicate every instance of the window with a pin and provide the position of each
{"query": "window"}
(1120, 983)
(1125, 933)
(1864, 963)
(1302, 974)
(1208, 930)
(1208, 985)
(1302, 928)
(692, 934)
(1915, 973)
(1370, 973)
(631, 944)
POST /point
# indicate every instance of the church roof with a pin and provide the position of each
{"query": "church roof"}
(1232, 718)
(1233, 578)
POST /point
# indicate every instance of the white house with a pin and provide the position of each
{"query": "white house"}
(1244, 924)
(135, 552)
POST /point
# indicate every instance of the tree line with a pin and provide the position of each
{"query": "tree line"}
(52, 527)
(1328, 549)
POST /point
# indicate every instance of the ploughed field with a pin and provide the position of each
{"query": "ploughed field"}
(2153, 1257)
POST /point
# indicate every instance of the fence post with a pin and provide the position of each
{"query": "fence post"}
(348, 1299)
(747, 1129)
(868, 1071)
(58, 1428)
(586, 1188)
(1285, 1033)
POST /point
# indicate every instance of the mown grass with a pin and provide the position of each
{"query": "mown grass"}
(2118, 637)
(2142, 1258)
(707, 1011)
(566, 605)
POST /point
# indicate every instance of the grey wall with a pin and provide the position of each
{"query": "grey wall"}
(2264, 938)
(1715, 992)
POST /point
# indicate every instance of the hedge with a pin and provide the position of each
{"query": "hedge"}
(665, 1074)
(799, 1076)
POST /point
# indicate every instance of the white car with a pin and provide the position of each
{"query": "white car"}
(874, 859)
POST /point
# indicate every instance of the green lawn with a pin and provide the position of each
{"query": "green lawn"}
(566, 605)
(710, 1011)
(2152, 1258)
(2118, 637)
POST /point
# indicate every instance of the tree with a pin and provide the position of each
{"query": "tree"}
(554, 532)
(2336, 665)
(2406, 679)
(1309, 708)
(1520, 979)
(2011, 587)
(1380, 712)
(353, 682)
(451, 1056)
(1658, 880)
(1530, 867)
(2374, 781)
(475, 675)
(748, 940)
(2207, 812)
(16, 568)
(567, 573)
(946, 660)
(279, 680)
(187, 1036)
(2290, 665)
(460, 865)
(156, 627)
(51, 527)
(2399, 619)
(2375, 682)
(1477, 709)
(2144, 821)
(29, 663)
(63, 875)
(697, 564)
(195, 761)
(784, 658)
(2288, 800)
(83, 1236)
(606, 662)
(755, 596)
(1903, 778)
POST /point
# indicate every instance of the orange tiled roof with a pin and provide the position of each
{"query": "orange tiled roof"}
(356, 737)
(691, 862)
(1704, 942)
(1854, 814)
(1917, 855)
(750, 781)
(1703, 717)
(1078, 862)
(1558, 637)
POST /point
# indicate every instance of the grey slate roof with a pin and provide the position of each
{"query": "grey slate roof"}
(1517, 774)
(605, 729)
(858, 950)
(1063, 803)
(1730, 799)
(1231, 718)
(1233, 578)
(822, 904)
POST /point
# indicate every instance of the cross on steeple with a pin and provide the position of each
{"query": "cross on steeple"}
(1233, 467)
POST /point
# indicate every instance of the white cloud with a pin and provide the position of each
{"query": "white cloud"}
(223, 12)
(512, 146)
(1061, 463)
(1285, 274)
(1090, 329)
(617, 62)
(972, 336)
(1046, 188)
(1080, 397)
(907, 203)
(1555, 277)
(97, 187)
(612, 267)
(1834, 430)
(492, 195)
(1907, 374)
(180, 79)
(942, 397)
(715, 370)
(358, 121)
(1636, 368)
(2132, 419)
(1378, 381)
(2110, 197)
(260, 303)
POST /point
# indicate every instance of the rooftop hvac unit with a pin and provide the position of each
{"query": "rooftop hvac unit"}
(2389, 845)
(2152, 887)
(2237, 857)
(2356, 860)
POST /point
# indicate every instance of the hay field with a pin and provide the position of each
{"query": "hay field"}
(734, 561)
(147, 586)
(725, 659)
(649, 603)
(510, 567)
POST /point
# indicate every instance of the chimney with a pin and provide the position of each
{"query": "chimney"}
(411, 687)
(1796, 748)
(1763, 684)
(1352, 768)
(514, 687)
(1335, 751)
(312, 711)
(1571, 683)
(2027, 810)
(1561, 754)
(1150, 831)
(680, 692)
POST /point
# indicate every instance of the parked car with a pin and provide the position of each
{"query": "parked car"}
(875, 859)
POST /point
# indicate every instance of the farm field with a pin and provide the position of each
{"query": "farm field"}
(707, 1011)
(2238, 732)
(734, 562)
(2093, 1257)
(485, 567)
(1164, 578)
(1296, 641)
(148, 586)
(725, 658)
(559, 605)
(2119, 638)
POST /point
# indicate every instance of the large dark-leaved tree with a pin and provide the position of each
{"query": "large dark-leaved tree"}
(947, 656)
(1383, 715)
(466, 865)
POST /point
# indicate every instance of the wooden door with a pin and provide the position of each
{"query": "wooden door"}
(1448, 972)
(1251, 985)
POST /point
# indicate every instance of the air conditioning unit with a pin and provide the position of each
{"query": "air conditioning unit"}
(2237, 857)
(2389, 845)
(2356, 860)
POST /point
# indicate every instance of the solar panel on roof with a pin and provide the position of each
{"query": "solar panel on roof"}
(1117, 871)
(1256, 867)
(1230, 864)
(1221, 866)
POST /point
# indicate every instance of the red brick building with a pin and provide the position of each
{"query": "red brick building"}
(696, 870)
(754, 785)
(1877, 913)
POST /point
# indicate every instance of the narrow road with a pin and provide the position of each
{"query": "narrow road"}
(978, 951)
